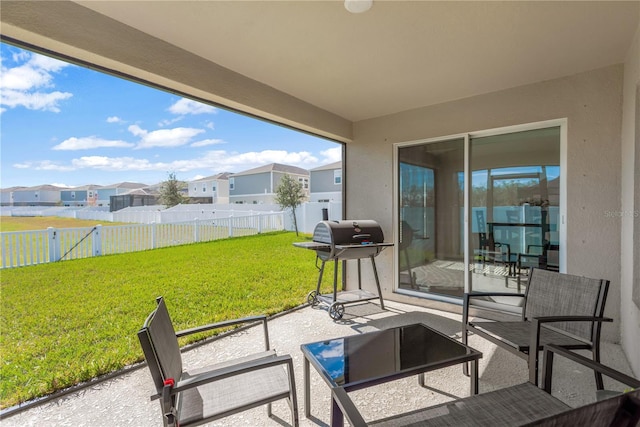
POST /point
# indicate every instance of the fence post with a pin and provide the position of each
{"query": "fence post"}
(196, 230)
(231, 225)
(97, 240)
(259, 222)
(153, 235)
(54, 245)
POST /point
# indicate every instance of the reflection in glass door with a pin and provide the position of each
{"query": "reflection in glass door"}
(431, 255)
(513, 207)
(515, 200)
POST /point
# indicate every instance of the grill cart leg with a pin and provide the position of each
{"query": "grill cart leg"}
(375, 273)
(335, 280)
(312, 297)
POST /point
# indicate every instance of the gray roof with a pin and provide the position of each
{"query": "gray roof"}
(83, 187)
(45, 187)
(4, 190)
(127, 185)
(336, 165)
(274, 167)
(219, 176)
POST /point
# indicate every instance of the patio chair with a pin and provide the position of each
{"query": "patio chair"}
(558, 308)
(492, 252)
(519, 405)
(194, 397)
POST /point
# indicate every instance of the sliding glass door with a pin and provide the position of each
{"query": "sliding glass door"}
(430, 229)
(512, 206)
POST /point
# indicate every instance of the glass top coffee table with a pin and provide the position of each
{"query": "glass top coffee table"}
(364, 360)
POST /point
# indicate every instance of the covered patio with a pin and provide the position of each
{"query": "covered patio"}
(401, 75)
(124, 399)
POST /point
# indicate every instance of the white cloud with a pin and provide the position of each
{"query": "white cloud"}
(45, 165)
(168, 122)
(114, 119)
(24, 85)
(175, 137)
(206, 142)
(33, 100)
(90, 142)
(332, 155)
(187, 106)
(214, 161)
(137, 130)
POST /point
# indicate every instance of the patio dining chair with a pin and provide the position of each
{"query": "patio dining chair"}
(558, 308)
(194, 397)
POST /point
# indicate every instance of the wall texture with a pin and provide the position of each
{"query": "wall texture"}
(591, 102)
(630, 208)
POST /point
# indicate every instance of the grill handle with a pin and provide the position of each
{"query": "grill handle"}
(362, 236)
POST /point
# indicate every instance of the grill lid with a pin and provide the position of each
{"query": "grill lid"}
(348, 232)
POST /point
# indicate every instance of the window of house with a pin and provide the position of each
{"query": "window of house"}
(231, 183)
(337, 177)
(204, 188)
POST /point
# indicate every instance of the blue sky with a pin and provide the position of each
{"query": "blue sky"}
(66, 125)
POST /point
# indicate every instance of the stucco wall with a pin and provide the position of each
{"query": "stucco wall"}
(630, 208)
(592, 104)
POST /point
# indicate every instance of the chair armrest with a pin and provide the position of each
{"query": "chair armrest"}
(534, 340)
(551, 319)
(348, 408)
(547, 367)
(230, 371)
(492, 294)
(227, 323)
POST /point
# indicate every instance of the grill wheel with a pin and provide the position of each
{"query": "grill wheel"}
(312, 298)
(336, 311)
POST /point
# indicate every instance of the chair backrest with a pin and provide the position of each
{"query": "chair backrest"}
(551, 293)
(160, 346)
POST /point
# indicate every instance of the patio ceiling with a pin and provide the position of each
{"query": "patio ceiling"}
(325, 62)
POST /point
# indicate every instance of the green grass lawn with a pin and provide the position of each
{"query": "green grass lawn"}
(67, 322)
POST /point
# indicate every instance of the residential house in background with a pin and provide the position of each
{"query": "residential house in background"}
(85, 195)
(6, 195)
(326, 183)
(210, 189)
(39, 195)
(122, 188)
(258, 185)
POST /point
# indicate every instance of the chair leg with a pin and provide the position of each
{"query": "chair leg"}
(465, 337)
(598, 375)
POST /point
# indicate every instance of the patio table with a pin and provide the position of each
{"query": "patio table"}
(364, 360)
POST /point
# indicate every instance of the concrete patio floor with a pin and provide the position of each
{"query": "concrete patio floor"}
(124, 399)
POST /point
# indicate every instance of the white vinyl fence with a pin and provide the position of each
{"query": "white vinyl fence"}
(22, 248)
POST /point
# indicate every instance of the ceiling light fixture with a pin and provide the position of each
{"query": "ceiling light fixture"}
(358, 6)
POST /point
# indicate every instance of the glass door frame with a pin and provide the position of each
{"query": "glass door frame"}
(467, 137)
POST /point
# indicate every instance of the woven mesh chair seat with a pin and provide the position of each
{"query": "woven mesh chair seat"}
(230, 394)
(518, 334)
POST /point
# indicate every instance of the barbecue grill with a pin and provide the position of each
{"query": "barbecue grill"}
(345, 240)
